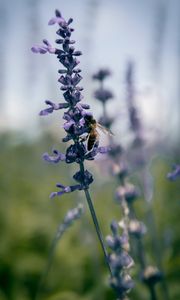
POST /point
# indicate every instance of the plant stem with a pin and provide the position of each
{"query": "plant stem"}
(152, 292)
(56, 239)
(96, 224)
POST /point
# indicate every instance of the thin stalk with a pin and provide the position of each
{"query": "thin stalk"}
(96, 224)
(152, 292)
(104, 110)
(103, 103)
(56, 239)
(153, 231)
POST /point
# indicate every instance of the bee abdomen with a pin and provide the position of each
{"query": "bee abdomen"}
(91, 142)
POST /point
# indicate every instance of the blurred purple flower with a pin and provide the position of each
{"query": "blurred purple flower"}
(65, 189)
(72, 215)
(175, 173)
(55, 158)
(43, 48)
(101, 74)
(137, 228)
(128, 191)
(103, 95)
(57, 19)
(120, 261)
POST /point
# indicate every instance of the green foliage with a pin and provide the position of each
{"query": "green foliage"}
(28, 222)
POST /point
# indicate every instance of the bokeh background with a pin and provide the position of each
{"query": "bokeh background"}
(109, 33)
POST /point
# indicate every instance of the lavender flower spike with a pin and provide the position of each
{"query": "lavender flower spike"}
(77, 119)
(70, 217)
(120, 262)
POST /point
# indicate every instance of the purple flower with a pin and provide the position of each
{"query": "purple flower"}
(101, 74)
(103, 95)
(84, 178)
(120, 261)
(43, 48)
(75, 153)
(122, 285)
(73, 215)
(55, 158)
(52, 107)
(57, 19)
(128, 191)
(65, 189)
(137, 228)
(175, 173)
(78, 122)
(77, 125)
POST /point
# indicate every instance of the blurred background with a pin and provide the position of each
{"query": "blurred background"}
(110, 34)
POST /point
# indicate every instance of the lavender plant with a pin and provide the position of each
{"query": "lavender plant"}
(141, 158)
(120, 260)
(71, 216)
(78, 120)
(125, 195)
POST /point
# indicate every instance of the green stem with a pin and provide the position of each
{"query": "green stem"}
(152, 292)
(56, 239)
(96, 224)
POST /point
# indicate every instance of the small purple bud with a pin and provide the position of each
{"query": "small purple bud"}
(46, 111)
(175, 173)
(103, 95)
(52, 195)
(62, 71)
(67, 125)
(46, 42)
(58, 13)
(77, 53)
(57, 156)
(114, 227)
(60, 185)
(37, 49)
(59, 41)
(103, 150)
(70, 21)
(110, 241)
(101, 74)
(67, 189)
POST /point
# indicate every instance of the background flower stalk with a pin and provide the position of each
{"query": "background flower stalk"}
(119, 258)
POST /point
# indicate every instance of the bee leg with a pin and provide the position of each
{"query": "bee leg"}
(83, 138)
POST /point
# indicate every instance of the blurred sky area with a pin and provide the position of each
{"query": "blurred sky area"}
(109, 33)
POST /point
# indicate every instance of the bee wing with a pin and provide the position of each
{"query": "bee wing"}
(104, 129)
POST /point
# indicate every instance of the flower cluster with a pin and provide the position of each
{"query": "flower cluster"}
(150, 275)
(175, 173)
(125, 195)
(71, 216)
(120, 261)
(77, 118)
(79, 123)
(103, 95)
(135, 122)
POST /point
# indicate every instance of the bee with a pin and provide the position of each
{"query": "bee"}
(93, 135)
